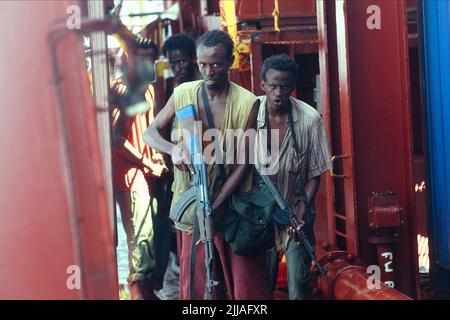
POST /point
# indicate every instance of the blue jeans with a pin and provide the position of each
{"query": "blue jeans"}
(298, 264)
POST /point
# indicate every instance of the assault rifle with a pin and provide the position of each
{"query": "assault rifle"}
(198, 192)
(288, 212)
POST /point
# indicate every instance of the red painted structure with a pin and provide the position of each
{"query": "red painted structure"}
(371, 113)
(53, 197)
(385, 218)
(382, 125)
(347, 278)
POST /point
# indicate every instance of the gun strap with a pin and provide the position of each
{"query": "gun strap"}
(211, 125)
(193, 258)
(291, 126)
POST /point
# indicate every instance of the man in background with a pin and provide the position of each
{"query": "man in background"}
(304, 156)
(180, 52)
(134, 165)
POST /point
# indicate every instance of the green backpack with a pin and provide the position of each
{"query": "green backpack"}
(249, 223)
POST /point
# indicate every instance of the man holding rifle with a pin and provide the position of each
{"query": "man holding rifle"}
(231, 107)
(303, 157)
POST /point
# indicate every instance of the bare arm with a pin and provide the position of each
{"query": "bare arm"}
(153, 137)
(311, 187)
(122, 125)
(239, 171)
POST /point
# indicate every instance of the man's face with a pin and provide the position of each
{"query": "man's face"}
(213, 65)
(182, 65)
(278, 86)
(146, 54)
(146, 63)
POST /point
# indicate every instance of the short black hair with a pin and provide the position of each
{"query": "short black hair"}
(280, 62)
(213, 38)
(146, 43)
(180, 41)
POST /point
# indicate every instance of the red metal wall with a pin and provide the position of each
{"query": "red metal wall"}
(367, 110)
(53, 202)
(382, 125)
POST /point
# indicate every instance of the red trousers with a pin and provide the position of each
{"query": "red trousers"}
(241, 278)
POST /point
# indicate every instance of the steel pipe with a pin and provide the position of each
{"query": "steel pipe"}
(347, 278)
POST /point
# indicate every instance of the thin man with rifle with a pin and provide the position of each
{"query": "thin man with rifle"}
(230, 107)
(303, 157)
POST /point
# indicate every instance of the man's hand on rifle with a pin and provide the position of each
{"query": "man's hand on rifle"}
(181, 159)
(297, 222)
